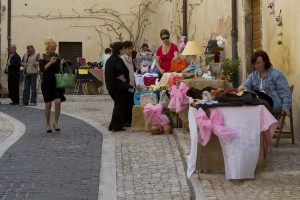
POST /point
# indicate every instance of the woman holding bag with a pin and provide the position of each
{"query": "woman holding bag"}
(49, 66)
(165, 53)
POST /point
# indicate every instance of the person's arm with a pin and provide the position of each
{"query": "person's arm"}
(248, 83)
(120, 70)
(176, 55)
(176, 51)
(284, 93)
(43, 66)
(15, 62)
(157, 64)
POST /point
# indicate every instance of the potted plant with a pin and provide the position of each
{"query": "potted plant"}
(230, 70)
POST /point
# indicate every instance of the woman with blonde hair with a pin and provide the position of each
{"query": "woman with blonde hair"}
(49, 66)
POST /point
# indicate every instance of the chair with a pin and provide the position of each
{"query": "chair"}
(281, 120)
(81, 80)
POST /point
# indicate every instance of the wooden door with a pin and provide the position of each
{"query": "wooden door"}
(70, 51)
(256, 25)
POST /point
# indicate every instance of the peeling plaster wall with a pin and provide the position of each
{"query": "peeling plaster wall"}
(284, 57)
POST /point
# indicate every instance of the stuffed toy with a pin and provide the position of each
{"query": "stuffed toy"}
(182, 42)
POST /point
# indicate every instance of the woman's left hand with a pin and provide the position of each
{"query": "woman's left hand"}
(122, 77)
(286, 111)
(62, 61)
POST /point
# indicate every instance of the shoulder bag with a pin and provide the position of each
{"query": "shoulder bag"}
(65, 80)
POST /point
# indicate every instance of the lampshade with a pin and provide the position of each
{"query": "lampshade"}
(192, 48)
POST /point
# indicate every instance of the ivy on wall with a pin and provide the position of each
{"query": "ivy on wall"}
(111, 24)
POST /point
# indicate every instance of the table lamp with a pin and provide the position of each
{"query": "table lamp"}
(192, 49)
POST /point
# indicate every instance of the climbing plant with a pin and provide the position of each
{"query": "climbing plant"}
(112, 25)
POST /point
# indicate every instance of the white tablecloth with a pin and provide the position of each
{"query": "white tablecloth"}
(242, 152)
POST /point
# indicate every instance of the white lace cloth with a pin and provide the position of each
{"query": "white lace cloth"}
(241, 154)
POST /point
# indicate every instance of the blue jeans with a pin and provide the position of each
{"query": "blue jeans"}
(30, 83)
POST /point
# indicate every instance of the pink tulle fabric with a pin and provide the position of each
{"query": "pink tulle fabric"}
(179, 97)
(155, 115)
(215, 124)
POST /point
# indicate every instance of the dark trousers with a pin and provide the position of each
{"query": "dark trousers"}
(30, 85)
(13, 87)
(120, 103)
(129, 106)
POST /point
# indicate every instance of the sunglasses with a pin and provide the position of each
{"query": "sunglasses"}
(165, 38)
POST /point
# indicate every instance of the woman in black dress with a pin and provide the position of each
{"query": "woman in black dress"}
(117, 83)
(49, 66)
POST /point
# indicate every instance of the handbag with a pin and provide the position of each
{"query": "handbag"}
(65, 80)
(164, 99)
(178, 65)
(146, 98)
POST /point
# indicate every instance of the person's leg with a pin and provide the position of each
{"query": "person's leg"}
(47, 114)
(110, 127)
(15, 88)
(128, 109)
(26, 91)
(10, 86)
(120, 99)
(33, 80)
(57, 108)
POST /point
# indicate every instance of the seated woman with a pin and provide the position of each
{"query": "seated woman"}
(269, 83)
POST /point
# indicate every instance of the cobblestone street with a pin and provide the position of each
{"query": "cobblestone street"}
(150, 167)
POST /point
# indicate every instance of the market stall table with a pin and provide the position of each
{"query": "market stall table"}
(90, 80)
(242, 152)
(200, 83)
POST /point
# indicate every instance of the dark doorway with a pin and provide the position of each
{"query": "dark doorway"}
(70, 51)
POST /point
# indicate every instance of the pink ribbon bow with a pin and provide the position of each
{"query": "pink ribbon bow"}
(155, 114)
(179, 97)
(215, 124)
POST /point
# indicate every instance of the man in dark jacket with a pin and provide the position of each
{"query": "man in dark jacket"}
(13, 70)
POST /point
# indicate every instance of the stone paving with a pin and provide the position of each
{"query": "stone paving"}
(150, 167)
(59, 165)
(6, 129)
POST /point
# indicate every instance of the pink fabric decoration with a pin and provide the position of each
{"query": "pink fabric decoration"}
(215, 124)
(155, 114)
(179, 97)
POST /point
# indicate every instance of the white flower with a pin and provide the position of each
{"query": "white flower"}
(220, 40)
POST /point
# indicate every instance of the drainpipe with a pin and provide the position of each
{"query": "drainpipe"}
(0, 40)
(184, 20)
(234, 30)
(8, 24)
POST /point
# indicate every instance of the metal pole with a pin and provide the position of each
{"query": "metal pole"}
(8, 24)
(0, 42)
(184, 20)
(234, 30)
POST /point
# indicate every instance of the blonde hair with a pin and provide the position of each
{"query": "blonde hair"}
(49, 41)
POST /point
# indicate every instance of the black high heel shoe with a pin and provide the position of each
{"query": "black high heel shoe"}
(48, 130)
(56, 129)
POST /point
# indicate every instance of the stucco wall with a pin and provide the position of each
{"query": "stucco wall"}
(284, 57)
(70, 21)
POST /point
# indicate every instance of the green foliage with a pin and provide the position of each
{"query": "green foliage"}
(230, 67)
(170, 114)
